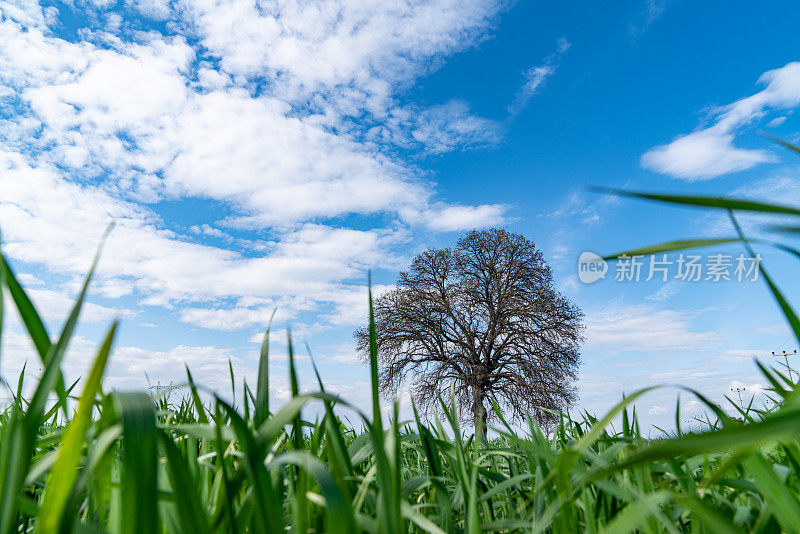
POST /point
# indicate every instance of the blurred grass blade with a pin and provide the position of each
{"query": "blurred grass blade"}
(198, 404)
(2, 300)
(191, 513)
(377, 420)
(340, 518)
(53, 516)
(783, 503)
(635, 514)
(139, 485)
(705, 202)
(784, 305)
(672, 246)
(27, 311)
(794, 148)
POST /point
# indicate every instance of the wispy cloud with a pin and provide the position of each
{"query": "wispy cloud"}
(644, 328)
(450, 126)
(666, 291)
(652, 11)
(537, 76)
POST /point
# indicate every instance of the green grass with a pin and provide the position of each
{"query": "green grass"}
(128, 463)
(125, 462)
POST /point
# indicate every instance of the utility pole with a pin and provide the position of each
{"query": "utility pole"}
(738, 391)
(700, 421)
(158, 389)
(785, 356)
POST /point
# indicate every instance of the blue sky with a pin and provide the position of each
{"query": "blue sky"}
(268, 155)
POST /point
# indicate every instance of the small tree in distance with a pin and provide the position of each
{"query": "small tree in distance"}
(484, 319)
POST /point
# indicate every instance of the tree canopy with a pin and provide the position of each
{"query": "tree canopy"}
(484, 319)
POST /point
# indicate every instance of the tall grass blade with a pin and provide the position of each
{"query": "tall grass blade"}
(139, 484)
(53, 516)
(262, 386)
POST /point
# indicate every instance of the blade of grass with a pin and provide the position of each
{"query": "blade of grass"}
(139, 488)
(53, 516)
(267, 509)
(262, 386)
(706, 202)
(784, 305)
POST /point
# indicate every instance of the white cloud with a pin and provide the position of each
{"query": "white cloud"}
(154, 9)
(711, 152)
(779, 329)
(56, 305)
(235, 318)
(653, 9)
(129, 367)
(577, 205)
(352, 305)
(745, 356)
(344, 353)
(363, 47)
(666, 291)
(29, 12)
(45, 221)
(777, 121)
(535, 77)
(446, 127)
(703, 155)
(134, 113)
(783, 188)
(111, 122)
(280, 169)
(210, 231)
(456, 218)
(644, 328)
(286, 121)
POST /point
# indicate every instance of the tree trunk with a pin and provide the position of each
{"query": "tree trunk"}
(479, 412)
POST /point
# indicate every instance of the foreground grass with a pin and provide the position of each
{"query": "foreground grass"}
(126, 463)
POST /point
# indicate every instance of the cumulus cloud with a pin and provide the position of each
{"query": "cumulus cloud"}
(711, 152)
(53, 222)
(55, 306)
(285, 119)
(703, 155)
(356, 48)
(129, 367)
(448, 218)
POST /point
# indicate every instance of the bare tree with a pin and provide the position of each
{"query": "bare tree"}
(484, 319)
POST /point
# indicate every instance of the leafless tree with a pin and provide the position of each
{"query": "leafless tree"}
(484, 319)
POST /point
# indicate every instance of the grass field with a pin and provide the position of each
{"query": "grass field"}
(126, 463)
